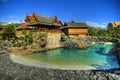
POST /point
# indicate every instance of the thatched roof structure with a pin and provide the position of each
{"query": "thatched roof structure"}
(37, 20)
(44, 20)
(75, 25)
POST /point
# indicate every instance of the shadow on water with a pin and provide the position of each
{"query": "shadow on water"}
(110, 59)
(102, 51)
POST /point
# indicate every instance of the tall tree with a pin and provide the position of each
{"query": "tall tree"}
(110, 26)
(110, 29)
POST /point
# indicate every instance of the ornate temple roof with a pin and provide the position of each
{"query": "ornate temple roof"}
(36, 19)
(44, 20)
(30, 19)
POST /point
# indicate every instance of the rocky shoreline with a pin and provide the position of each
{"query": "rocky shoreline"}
(14, 71)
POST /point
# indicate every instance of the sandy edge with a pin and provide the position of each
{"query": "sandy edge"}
(33, 63)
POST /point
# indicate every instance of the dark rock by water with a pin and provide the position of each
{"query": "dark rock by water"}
(13, 71)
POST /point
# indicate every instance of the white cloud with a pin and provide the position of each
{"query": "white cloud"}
(12, 17)
(14, 21)
(95, 24)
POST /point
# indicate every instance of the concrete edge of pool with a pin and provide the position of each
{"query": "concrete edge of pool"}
(33, 63)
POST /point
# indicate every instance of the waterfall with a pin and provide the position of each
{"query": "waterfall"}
(53, 40)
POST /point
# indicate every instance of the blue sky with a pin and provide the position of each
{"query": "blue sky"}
(96, 13)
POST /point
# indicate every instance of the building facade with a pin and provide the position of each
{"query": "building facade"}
(52, 24)
(75, 29)
(41, 23)
(116, 24)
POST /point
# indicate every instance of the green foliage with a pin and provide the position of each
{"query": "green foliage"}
(92, 31)
(9, 32)
(21, 38)
(24, 32)
(0, 36)
(25, 40)
(28, 37)
(98, 32)
(111, 31)
(33, 30)
(116, 32)
(43, 35)
(110, 26)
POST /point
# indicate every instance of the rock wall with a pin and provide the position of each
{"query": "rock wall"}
(4, 45)
(13, 71)
(97, 39)
(117, 51)
(53, 40)
(17, 71)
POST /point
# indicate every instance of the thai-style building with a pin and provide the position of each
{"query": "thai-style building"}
(116, 24)
(41, 23)
(52, 24)
(75, 28)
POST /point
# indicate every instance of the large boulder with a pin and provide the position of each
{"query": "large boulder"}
(4, 45)
(2, 52)
(72, 45)
(43, 43)
(40, 39)
(114, 40)
(118, 44)
(64, 37)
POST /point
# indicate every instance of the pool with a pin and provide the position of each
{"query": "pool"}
(95, 57)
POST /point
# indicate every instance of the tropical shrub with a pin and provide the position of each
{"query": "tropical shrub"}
(28, 37)
(9, 32)
(98, 32)
(113, 31)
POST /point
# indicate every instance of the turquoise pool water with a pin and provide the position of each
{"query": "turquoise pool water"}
(96, 56)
